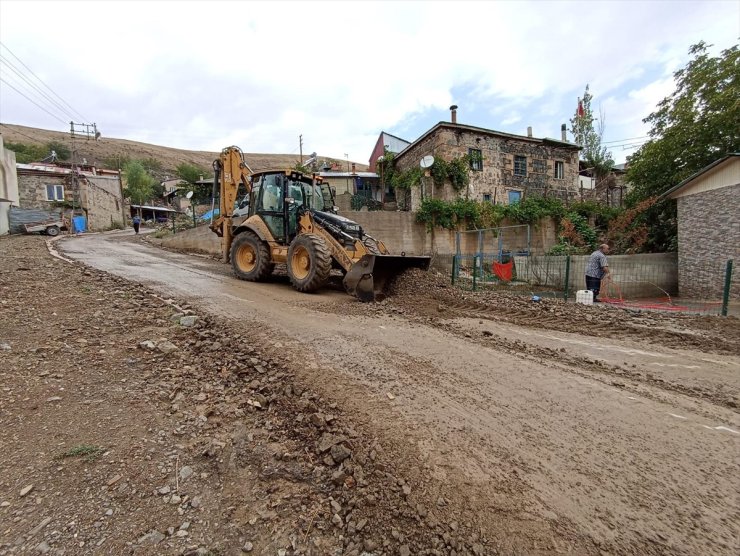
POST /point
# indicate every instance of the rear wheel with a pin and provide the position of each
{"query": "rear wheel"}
(250, 257)
(52, 231)
(309, 262)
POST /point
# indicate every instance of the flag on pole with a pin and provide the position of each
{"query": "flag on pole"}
(580, 112)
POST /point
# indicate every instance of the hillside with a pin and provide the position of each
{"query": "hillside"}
(107, 148)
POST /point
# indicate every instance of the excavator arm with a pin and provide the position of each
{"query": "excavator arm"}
(230, 170)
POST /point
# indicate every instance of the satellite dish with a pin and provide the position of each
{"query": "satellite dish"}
(427, 161)
(189, 194)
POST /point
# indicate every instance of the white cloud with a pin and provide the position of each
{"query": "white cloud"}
(204, 75)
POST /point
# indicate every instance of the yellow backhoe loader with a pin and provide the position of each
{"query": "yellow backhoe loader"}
(292, 220)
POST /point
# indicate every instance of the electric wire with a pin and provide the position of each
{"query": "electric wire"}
(33, 101)
(42, 82)
(34, 139)
(36, 88)
(625, 139)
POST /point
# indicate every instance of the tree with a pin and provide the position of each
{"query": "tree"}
(189, 174)
(139, 183)
(696, 125)
(589, 137)
(25, 153)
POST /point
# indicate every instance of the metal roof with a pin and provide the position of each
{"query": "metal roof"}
(148, 207)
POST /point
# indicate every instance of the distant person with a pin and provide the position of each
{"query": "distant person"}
(137, 222)
(596, 269)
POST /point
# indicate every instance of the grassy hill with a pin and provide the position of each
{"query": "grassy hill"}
(107, 149)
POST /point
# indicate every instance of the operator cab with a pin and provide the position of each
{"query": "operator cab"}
(279, 197)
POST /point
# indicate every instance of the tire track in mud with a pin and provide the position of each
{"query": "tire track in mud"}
(524, 317)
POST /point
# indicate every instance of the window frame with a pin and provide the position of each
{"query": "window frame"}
(476, 159)
(487, 198)
(522, 160)
(559, 164)
(55, 188)
(517, 192)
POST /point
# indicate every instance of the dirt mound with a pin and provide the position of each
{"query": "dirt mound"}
(429, 294)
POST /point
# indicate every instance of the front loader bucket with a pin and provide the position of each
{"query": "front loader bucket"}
(368, 276)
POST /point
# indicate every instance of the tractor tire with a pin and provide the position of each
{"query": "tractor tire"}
(52, 231)
(309, 262)
(250, 258)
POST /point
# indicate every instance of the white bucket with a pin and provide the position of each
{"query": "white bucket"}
(585, 296)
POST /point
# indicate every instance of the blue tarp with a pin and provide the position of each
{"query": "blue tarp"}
(79, 224)
(207, 216)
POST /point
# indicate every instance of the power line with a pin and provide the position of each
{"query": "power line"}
(42, 82)
(32, 101)
(623, 140)
(45, 96)
(20, 132)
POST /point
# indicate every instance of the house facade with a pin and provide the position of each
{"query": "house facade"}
(505, 168)
(8, 186)
(95, 194)
(708, 228)
(389, 142)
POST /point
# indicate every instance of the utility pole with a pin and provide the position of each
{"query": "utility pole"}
(300, 146)
(88, 131)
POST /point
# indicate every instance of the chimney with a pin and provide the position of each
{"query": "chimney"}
(353, 168)
(563, 133)
(529, 131)
(453, 109)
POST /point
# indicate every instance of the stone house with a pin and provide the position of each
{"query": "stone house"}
(90, 192)
(505, 168)
(708, 228)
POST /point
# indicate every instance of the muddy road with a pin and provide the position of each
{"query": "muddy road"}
(565, 430)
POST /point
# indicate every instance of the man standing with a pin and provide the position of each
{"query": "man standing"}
(136, 222)
(596, 269)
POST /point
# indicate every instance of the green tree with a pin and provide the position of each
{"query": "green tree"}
(189, 173)
(139, 183)
(25, 153)
(588, 132)
(696, 125)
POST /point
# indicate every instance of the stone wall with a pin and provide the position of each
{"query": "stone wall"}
(98, 198)
(101, 198)
(32, 189)
(496, 178)
(708, 235)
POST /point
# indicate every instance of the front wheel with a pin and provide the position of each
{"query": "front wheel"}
(309, 262)
(250, 258)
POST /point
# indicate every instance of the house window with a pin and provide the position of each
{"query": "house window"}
(515, 197)
(559, 170)
(476, 159)
(486, 197)
(520, 165)
(54, 192)
(539, 167)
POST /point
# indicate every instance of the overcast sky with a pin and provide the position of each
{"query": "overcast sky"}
(204, 75)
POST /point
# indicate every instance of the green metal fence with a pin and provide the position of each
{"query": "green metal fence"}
(640, 282)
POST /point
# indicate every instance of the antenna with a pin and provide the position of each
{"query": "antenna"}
(427, 161)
